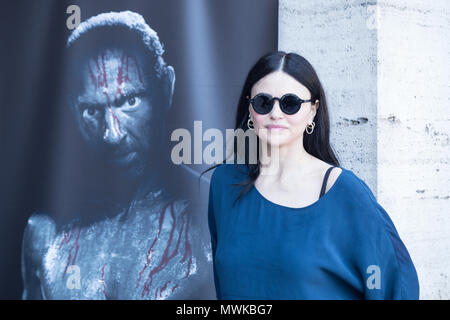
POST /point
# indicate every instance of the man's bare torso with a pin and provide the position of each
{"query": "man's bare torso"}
(148, 251)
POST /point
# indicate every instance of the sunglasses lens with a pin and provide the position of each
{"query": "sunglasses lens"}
(290, 104)
(262, 104)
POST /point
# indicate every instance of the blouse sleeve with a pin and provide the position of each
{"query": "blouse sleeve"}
(385, 263)
(213, 232)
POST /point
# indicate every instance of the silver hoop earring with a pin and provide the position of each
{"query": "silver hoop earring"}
(310, 126)
(250, 123)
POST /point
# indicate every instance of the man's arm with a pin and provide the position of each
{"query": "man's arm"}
(38, 232)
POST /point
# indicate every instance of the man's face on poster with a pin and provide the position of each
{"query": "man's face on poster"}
(116, 109)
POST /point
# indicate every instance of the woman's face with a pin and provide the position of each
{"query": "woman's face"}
(277, 128)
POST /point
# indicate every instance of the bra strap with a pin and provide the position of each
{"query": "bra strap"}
(325, 179)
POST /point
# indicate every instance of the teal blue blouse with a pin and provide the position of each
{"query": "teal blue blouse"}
(343, 246)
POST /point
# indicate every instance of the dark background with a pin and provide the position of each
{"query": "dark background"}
(211, 44)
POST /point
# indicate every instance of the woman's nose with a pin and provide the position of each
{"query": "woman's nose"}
(276, 112)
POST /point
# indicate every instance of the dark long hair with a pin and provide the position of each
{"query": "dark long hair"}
(317, 143)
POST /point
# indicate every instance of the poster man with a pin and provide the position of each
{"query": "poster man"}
(154, 246)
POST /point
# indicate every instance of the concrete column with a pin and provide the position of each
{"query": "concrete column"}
(333, 35)
(413, 132)
(384, 65)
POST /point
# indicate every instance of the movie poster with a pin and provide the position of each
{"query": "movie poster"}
(96, 201)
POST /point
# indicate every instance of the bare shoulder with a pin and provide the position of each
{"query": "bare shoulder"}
(40, 229)
(334, 175)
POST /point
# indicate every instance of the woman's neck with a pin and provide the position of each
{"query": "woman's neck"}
(283, 161)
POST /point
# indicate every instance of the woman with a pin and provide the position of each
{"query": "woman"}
(295, 224)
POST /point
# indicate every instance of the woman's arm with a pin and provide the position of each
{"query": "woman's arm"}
(388, 269)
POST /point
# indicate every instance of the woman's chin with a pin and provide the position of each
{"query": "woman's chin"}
(276, 140)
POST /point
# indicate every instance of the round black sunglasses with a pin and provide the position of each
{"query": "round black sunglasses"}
(289, 103)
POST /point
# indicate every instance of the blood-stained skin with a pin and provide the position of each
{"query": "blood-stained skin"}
(167, 255)
(100, 81)
(71, 260)
(154, 248)
(146, 253)
(116, 110)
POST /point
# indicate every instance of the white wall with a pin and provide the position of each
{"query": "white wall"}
(413, 132)
(333, 36)
(388, 61)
